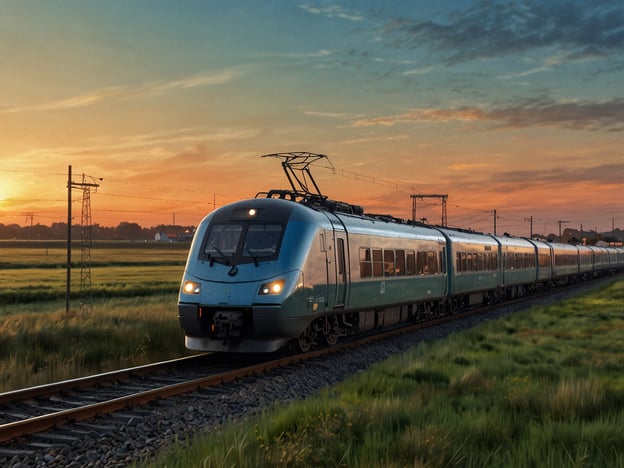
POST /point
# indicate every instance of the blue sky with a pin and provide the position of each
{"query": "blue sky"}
(513, 106)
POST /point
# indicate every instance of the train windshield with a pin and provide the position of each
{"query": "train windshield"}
(242, 242)
(223, 240)
(261, 240)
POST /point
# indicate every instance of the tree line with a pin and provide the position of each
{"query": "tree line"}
(134, 232)
(123, 231)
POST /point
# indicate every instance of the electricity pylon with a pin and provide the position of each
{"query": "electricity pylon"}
(85, 239)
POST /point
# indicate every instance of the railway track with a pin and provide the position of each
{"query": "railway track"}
(37, 409)
(68, 404)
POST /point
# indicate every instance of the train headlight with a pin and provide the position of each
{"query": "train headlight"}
(191, 287)
(274, 287)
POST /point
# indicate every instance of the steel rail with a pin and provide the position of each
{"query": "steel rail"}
(36, 424)
(91, 380)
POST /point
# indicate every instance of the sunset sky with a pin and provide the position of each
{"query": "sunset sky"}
(516, 107)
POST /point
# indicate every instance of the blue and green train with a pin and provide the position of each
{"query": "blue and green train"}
(273, 270)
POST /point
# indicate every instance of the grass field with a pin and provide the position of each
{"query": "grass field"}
(36, 271)
(541, 388)
(132, 320)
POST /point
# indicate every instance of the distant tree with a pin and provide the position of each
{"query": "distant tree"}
(129, 231)
(10, 231)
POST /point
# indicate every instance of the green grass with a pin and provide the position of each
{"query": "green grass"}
(118, 269)
(133, 320)
(539, 388)
(48, 345)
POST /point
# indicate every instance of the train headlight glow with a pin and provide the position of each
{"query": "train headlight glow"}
(191, 287)
(274, 287)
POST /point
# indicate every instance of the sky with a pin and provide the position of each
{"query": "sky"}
(508, 107)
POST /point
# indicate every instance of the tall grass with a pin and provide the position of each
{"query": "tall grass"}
(132, 322)
(540, 388)
(38, 347)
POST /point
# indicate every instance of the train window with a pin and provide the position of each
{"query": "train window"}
(340, 252)
(261, 240)
(443, 260)
(366, 268)
(421, 262)
(411, 262)
(507, 260)
(389, 268)
(400, 262)
(223, 240)
(377, 262)
(432, 263)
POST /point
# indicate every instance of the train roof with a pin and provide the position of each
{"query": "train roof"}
(457, 235)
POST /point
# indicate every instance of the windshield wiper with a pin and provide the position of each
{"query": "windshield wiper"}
(226, 261)
(253, 257)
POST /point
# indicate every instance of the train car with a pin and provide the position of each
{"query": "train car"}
(473, 260)
(544, 262)
(619, 258)
(602, 260)
(396, 269)
(519, 266)
(612, 253)
(587, 260)
(565, 262)
(255, 276)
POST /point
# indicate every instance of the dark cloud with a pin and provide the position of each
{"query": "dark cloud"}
(603, 174)
(607, 115)
(491, 29)
(546, 112)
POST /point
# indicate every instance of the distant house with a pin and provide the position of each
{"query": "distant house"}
(161, 237)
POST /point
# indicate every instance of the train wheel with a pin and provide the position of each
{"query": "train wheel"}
(305, 341)
(331, 331)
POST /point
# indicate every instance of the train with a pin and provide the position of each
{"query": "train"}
(282, 268)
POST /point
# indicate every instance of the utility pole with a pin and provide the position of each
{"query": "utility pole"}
(530, 220)
(560, 224)
(85, 237)
(422, 196)
(494, 222)
(30, 217)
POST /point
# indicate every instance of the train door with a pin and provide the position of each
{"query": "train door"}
(337, 264)
(342, 265)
